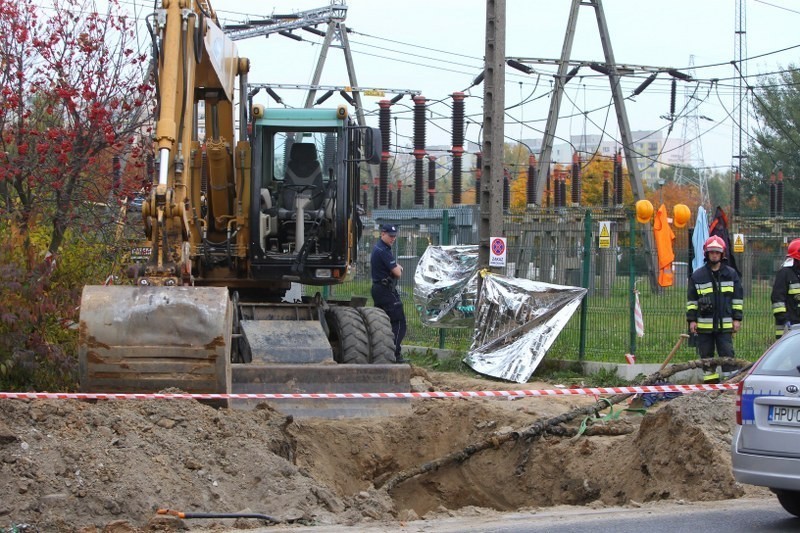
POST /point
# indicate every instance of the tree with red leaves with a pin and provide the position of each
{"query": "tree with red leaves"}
(74, 98)
(74, 93)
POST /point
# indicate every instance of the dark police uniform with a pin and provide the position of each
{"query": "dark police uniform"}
(384, 288)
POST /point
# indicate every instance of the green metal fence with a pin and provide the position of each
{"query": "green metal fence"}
(562, 246)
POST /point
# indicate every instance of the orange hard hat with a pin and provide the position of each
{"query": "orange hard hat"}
(644, 211)
(681, 215)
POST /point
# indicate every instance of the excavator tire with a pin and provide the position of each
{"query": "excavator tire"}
(381, 338)
(349, 337)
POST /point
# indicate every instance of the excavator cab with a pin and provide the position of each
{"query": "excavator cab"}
(307, 161)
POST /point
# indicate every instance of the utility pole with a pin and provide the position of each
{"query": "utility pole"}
(619, 102)
(555, 102)
(739, 92)
(610, 68)
(491, 199)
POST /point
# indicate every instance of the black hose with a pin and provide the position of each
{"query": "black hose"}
(231, 515)
(154, 38)
(200, 6)
(180, 514)
(184, 46)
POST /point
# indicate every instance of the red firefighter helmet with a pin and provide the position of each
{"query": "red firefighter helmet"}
(714, 244)
(794, 249)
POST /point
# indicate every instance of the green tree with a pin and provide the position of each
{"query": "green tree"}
(719, 186)
(775, 145)
(719, 190)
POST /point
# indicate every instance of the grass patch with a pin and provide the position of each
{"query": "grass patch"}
(429, 359)
(572, 378)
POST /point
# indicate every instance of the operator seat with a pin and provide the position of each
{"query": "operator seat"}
(303, 169)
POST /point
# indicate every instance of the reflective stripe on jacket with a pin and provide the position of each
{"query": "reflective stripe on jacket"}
(714, 300)
(786, 298)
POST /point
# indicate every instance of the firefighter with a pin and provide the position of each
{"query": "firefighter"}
(714, 305)
(786, 291)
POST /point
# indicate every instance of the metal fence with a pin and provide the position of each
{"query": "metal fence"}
(561, 246)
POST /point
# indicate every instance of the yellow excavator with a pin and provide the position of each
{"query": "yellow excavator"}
(229, 226)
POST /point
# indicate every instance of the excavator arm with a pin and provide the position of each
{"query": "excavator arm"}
(162, 332)
(197, 66)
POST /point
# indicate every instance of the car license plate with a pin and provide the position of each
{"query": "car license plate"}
(785, 416)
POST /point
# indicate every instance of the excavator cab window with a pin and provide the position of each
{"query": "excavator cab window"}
(301, 187)
(324, 151)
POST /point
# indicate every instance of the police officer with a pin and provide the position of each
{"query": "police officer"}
(385, 274)
(714, 304)
(786, 291)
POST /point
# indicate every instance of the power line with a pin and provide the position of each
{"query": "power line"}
(778, 7)
(432, 62)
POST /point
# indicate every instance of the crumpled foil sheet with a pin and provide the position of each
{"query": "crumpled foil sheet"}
(517, 322)
(446, 286)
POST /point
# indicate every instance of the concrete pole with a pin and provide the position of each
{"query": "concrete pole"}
(491, 193)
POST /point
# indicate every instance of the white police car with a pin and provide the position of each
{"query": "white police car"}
(766, 443)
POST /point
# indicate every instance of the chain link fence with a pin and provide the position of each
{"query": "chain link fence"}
(562, 246)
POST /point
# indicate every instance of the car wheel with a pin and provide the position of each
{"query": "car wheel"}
(790, 501)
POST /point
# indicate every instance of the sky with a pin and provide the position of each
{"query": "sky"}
(436, 47)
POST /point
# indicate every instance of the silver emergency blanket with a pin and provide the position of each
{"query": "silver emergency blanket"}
(446, 286)
(517, 322)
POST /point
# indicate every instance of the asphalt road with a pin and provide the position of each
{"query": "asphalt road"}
(729, 516)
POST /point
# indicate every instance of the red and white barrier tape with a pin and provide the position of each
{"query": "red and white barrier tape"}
(591, 391)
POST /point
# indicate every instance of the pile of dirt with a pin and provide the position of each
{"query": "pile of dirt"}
(69, 465)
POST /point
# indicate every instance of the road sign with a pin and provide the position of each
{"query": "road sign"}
(497, 252)
(738, 242)
(605, 234)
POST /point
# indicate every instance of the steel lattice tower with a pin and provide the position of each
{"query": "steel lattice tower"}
(692, 147)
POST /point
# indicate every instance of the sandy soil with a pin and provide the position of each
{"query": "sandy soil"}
(108, 466)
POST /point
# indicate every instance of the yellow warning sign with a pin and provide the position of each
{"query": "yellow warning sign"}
(605, 235)
(738, 242)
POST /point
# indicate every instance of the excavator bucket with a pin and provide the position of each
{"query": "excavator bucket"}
(145, 339)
